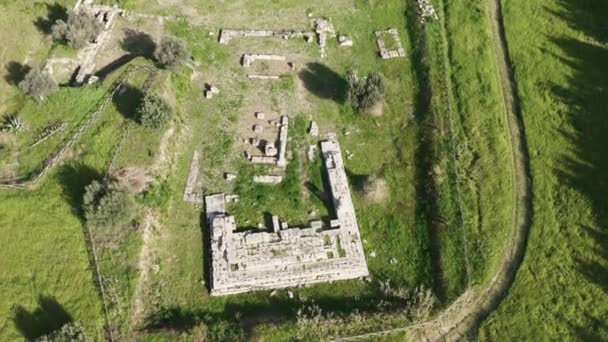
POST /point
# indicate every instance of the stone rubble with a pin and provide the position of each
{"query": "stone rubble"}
(263, 77)
(249, 59)
(210, 91)
(244, 261)
(427, 11)
(324, 30)
(313, 130)
(282, 161)
(345, 41)
(226, 35)
(312, 150)
(268, 179)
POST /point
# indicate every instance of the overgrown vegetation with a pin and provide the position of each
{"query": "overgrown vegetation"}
(38, 84)
(108, 205)
(364, 93)
(171, 52)
(154, 111)
(80, 29)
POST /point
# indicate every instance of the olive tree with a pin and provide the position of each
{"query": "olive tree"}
(80, 29)
(171, 53)
(365, 93)
(38, 84)
(108, 205)
(154, 111)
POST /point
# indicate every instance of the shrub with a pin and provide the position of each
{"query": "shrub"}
(69, 332)
(171, 53)
(107, 206)
(154, 112)
(364, 94)
(38, 84)
(80, 29)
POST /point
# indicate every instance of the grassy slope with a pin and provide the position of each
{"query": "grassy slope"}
(559, 52)
(483, 147)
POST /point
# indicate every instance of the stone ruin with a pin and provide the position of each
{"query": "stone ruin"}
(226, 35)
(287, 256)
(249, 59)
(268, 179)
(272, 154)
(86, 57)
(324, 30)
(386, 53)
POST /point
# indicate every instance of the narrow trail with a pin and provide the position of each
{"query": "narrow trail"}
(462, 319)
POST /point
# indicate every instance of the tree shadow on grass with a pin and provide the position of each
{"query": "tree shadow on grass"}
(138, 43)
(238, 320)
(323, 82)
(15, 72)
(114, 65)
(74, 178)
(46, 318)
(55, 12)
(135, 43)
(127, 100)
(585, 166)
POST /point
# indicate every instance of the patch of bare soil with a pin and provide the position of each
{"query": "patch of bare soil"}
(375, 190)
(134, 179)
(377, 109)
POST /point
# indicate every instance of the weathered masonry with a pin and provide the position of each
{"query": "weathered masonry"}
(287, 256)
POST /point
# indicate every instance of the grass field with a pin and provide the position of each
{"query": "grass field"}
(559, 51)
(441, 145)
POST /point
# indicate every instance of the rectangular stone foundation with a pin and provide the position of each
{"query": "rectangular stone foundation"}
(287, 256)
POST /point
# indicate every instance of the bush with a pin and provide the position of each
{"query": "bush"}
(80, 29)
(154, 112)
(171, 53)
(364, 94)
(69, 332)
(38, 84)
(107, 206)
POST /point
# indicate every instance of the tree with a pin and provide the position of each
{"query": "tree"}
(154, 112)
(38, 84)
(107, 206)
(69, 332)
(171, 53)
(80, 29)
(364, 94)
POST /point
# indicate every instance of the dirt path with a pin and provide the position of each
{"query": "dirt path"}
(462, 319)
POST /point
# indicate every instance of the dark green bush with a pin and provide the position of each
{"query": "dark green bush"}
(154, 112)
(38, 84)
(171, 53)
(364, 93)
